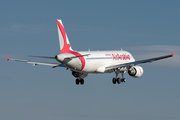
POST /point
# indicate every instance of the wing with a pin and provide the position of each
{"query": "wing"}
(42, 57)
(38, 63)
(127, 65)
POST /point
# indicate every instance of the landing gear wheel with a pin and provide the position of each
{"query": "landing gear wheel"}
(123, 80)
(82, 81)
(118, 80)
(114, 80)
(77, 81)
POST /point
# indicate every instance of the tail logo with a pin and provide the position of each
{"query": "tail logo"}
(66, 47)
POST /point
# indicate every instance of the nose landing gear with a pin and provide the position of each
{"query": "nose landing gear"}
(81, 81)
(79, 77)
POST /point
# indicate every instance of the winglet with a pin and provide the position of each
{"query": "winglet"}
(7, 58)
(172, 54)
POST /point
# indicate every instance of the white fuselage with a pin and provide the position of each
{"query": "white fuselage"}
(94, 61)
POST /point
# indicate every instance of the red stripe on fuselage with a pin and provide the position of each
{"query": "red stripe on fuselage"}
(66, 47)
(80, 58)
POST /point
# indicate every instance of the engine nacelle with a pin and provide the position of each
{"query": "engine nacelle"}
(136, 71)
(76, 74)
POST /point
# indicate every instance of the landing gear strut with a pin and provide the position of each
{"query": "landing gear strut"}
(118, 80)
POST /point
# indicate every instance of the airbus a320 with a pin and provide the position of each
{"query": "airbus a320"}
(83, 63)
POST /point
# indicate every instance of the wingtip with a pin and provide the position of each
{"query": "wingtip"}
(172, 54)
(7, 58)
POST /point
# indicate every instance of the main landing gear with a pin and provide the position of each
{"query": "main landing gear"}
(118, 80)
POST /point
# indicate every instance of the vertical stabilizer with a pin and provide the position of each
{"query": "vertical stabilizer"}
(65, 46)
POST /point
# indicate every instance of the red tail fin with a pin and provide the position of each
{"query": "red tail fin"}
(65, 46)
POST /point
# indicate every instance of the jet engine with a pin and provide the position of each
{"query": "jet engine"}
(77, 74)
(135, 71)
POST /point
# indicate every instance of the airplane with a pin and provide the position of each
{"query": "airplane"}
(83, 63)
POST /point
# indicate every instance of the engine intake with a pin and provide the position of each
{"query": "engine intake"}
(135, 71)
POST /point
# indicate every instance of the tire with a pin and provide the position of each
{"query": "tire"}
(123, 80)
(82, 81)
(77, 81)
(118, 80)
(114, 80)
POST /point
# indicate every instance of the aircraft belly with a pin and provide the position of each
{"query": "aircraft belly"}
(92, 66)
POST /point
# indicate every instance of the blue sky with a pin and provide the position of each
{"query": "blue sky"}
(144, 28)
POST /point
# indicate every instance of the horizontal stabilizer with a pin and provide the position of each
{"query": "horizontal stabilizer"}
(77, 56)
